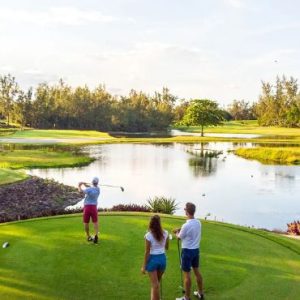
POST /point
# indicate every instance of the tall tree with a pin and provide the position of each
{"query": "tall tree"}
(241, 110)
(279, 105)
(180, 109)
(8, 93)
(203, 112)
(23, 108)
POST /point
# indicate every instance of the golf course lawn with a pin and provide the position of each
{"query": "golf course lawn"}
(50, 259)
(280, 155)
(41, 158)
(245, 127)
(10, 176)
(58, 134)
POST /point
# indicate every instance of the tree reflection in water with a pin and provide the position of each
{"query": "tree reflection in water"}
(204, 161)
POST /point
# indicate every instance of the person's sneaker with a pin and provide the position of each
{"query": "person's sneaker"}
(198, 295)
(89, 239)
(96, 239)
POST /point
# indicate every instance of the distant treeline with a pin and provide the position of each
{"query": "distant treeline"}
(64, 107)
(279, 105)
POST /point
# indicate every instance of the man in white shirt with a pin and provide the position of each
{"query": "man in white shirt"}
(190, 235)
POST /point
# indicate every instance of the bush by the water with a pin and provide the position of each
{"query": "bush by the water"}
(162, 205)
(294, 228)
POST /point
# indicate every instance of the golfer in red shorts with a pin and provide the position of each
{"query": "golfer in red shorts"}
(90, 211)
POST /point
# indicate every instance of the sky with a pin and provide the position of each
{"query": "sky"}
(216, 49)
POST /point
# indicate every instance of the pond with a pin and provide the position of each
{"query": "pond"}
(229, 188)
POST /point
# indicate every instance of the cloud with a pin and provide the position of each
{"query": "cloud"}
(71, 16)
(232, 86)
(234, 3)
(275, 29)
(7, 69)
(115, 90)
(33, 72)
(268, 60)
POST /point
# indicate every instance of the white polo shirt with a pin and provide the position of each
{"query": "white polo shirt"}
(190, 234)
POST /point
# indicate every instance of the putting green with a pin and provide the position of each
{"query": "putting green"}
(50, 259)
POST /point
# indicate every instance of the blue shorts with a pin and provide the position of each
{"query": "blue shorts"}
(156, 262)
(189, 259)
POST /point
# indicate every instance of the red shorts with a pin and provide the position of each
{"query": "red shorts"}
(90, 211)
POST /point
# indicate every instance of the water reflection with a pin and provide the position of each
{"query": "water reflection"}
(236, 190)
(204, 166)
(204, 161)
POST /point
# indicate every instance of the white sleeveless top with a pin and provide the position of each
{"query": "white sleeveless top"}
(157, 247)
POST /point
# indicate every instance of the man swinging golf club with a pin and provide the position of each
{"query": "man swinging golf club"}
(92, 193)
(190, 236)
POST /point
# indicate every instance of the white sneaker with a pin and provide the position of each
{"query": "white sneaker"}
(198, 295)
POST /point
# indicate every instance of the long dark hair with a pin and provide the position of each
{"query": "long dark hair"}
(155, 228)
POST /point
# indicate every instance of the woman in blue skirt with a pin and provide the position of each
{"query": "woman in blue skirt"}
(156, 244)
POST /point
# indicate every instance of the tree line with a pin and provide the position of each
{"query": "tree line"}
(61, 106)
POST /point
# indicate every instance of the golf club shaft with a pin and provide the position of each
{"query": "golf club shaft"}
(108, 185)
(179, 256)
(161, 293)
(113, 186)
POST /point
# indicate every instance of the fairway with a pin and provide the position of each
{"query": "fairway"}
(50, 259)
(246, 127)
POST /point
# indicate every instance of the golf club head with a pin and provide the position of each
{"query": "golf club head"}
(122, 189)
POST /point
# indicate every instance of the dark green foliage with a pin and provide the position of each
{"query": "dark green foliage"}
(162, 205)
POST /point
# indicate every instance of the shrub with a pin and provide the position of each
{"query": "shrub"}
(130, 207)
(162, 205)
(294, 228)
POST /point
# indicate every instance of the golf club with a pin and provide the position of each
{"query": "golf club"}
(179, 256)
(113, 186)
(107, 185)
(161, 292)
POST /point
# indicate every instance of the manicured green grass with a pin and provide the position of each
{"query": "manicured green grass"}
(50, 259)
(81, 137)
(7, 131)
(282, 155)
(58, 134)
(10, 176)
(246, 126)
(41, 158)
